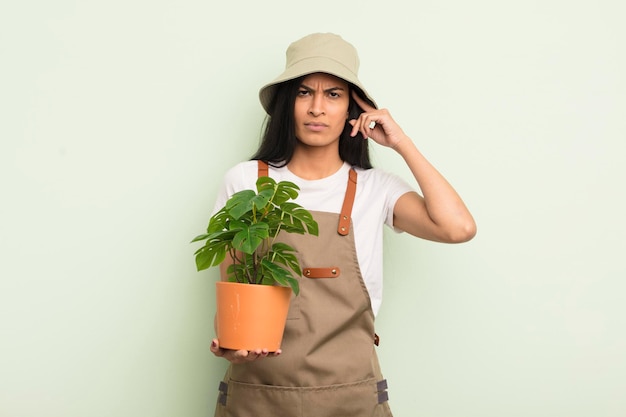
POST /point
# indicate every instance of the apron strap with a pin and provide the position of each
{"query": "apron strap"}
(346, 210)
(264, 170)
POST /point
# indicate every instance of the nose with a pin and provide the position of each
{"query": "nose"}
(317, 105)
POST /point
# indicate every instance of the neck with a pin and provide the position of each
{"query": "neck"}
(314, 164)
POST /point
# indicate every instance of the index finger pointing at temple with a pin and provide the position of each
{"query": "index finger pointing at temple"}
(362, 103)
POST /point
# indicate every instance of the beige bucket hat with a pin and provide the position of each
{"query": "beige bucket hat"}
(318, 52)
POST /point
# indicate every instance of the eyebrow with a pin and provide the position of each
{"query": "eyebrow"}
(328, 90)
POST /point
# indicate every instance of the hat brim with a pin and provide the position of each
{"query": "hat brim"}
(305, 67)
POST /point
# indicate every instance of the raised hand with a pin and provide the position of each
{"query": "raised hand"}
(376, 124)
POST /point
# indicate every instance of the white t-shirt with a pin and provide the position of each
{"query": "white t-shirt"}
(376, 194)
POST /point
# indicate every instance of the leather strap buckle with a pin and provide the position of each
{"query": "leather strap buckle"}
(331, 272)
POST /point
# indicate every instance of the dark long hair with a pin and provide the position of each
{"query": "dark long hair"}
(279, 138)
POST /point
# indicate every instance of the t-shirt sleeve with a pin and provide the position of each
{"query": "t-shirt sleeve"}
(240, 177)
(395, 188)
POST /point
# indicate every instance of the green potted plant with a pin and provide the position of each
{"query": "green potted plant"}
(246, 229)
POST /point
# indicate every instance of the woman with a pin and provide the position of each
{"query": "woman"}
(319, 120)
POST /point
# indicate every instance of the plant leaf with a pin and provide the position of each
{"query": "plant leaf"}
(265, 183)
(250, 237)
(282, 253)
(200, 237)
(261, 201)
(222, 235)
(280, 275)
(240, 203)
(219, 221)
(211, 254)
(285, 190)
(298, 220)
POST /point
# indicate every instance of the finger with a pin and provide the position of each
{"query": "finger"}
(254, 354)
(246, 355)
(358, 125)
(237, 356)
(362, 103)
(367, 124)
(242, 353)
(355, 127)
(215, 348)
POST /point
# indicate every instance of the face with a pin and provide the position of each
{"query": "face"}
(321, 110)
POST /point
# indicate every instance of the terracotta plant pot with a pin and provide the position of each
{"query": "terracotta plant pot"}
(251, 316)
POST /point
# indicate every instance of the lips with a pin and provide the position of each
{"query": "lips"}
(316, 126)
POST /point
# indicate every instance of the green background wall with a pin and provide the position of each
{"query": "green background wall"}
(119, 118)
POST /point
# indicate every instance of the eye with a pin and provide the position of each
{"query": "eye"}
(335, 93)
(303, 92)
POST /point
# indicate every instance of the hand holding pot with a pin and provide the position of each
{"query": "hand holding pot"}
(241, 356)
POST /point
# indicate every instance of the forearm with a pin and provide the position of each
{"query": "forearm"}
(442, 203)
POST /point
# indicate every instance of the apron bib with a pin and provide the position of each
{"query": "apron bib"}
(328, 366)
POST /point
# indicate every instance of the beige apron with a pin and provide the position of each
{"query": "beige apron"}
(328, 366)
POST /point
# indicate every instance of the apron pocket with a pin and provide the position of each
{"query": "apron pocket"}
(253, 400)
(358, 399)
